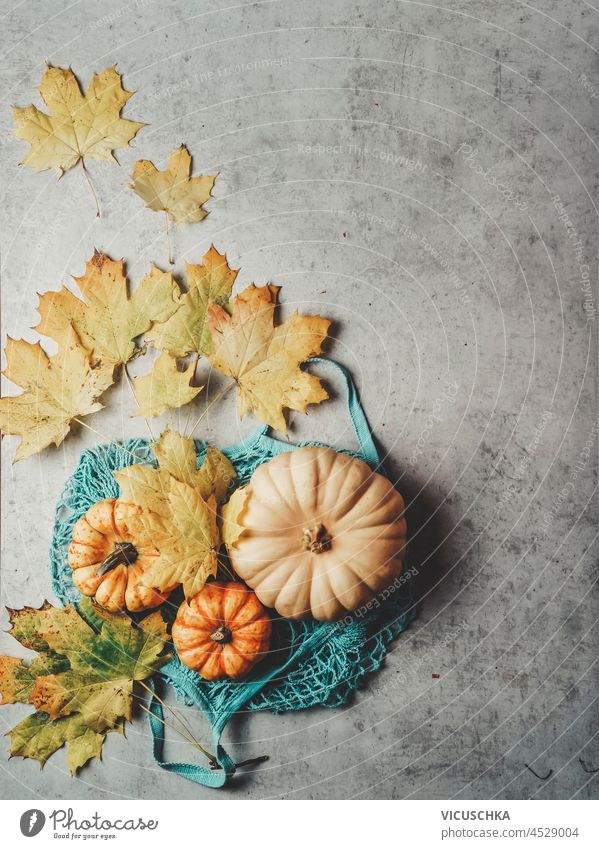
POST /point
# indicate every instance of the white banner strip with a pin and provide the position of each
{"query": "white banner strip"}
(303, 823)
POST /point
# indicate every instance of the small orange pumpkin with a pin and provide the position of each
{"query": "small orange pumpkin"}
(108, 561)
(223, 631)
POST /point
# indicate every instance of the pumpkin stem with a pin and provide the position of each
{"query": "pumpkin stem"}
(316, 539)
(222, 635)
(124, 553)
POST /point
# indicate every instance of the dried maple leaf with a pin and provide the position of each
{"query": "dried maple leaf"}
(178, 522)
(176, 456)
(215, 475)
(231, 512)
(47, 630)
(165, 387)
(103, 669)
(79, 125)
(186, 331)
(173, 190)
(36, 737)
(147, 487)
(264, 360)
(18, 678)
(180, 510)
(58, 389)
(188, 541)
(82, 681)
(109, 319)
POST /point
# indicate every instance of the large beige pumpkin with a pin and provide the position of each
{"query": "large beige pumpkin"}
(316, 533)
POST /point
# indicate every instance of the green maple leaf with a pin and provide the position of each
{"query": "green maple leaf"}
(35, 737)
(103, 669)
(82, 681)
(47, 629)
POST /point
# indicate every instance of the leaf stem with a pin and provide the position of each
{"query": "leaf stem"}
(227, 571)
(189, 412)
(214, 764)
(168, 240)
(130, 384)
(209, 406)
(181, 721)
(180, 733)
(92, 187)
(103, 436)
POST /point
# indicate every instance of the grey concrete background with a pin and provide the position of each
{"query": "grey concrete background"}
(338, 131)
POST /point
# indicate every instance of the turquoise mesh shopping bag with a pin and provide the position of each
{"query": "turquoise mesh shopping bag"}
(315, 663)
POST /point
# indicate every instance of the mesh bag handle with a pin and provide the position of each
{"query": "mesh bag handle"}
(368, 450)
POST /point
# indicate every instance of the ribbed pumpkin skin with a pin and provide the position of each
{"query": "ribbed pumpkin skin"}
(291, 496)
(217, 605)
(94, 538)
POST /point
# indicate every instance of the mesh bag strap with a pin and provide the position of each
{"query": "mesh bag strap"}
(357, 417)
(218, 778)
(356, 413)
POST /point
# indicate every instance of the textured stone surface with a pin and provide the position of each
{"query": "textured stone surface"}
(340, 131)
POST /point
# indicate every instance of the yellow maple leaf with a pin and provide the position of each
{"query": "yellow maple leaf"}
(215, 475)
(187, 542)
(264, 360)
(173, 190)
(179, 515)
(178, 522)
(109, 319)
(186, 331)
(145, 486)
(176, 456)
(232, 530)
(165, 387)
(57, 390)
(79, 125)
